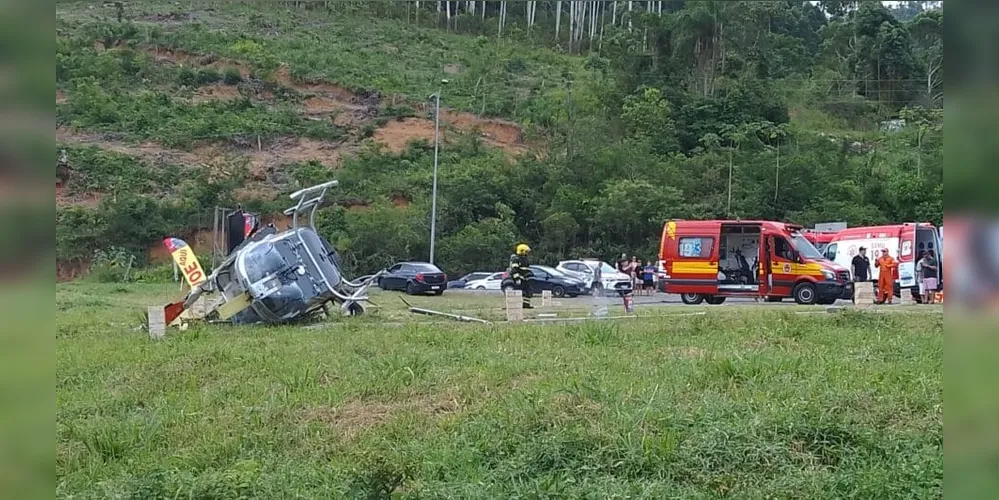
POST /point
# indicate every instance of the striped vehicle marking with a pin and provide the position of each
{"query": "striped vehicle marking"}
(811, 268)
(688, 267)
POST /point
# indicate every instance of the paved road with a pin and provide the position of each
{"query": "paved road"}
(659, 299)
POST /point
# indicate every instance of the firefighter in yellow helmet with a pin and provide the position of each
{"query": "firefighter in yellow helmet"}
(520, 272)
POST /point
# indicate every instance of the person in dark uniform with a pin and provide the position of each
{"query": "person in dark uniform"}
(520, 273)
(862, 267)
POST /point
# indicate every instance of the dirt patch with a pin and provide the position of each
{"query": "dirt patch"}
(351, 109)
(272, 155)
(86, 200)
(288, 150)
(283, 77)
(453, 68)
(216, 92)
(397, 134)
(61, 97)
(145, 150)
(321, 105)
(353, 418)
(188, 58)
(500, 132)
(400, 201)
(71, 269)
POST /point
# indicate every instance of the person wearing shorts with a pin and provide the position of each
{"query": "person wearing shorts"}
(648, 272)
(919, 275)
(928, 284)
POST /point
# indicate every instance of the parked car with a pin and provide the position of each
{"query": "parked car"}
(611, 280)
(492, 282)
(549, 278)
(462, 282)
(414, 278)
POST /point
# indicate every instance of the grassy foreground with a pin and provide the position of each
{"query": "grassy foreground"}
(743, 401)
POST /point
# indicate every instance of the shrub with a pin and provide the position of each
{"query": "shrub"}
(187, 77)
(208, 75)
(161, 273)
(113, 265)
(232, 76)
(398, 112)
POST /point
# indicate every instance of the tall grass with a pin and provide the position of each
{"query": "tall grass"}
(739, 402)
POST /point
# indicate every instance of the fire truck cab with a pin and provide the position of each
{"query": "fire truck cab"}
(715, 259)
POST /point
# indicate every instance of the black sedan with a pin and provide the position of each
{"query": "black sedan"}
(414, 278)
(549, 278)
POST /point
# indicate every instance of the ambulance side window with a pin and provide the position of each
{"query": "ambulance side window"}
(782, 248)
(695, 247)
(830, 252)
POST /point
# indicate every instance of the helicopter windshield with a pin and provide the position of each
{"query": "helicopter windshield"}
(261, 261)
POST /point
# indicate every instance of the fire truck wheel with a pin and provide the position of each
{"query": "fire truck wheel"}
(805, 294)
(691, 298)
(715, 301)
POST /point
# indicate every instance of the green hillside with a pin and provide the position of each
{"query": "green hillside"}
(581, 143)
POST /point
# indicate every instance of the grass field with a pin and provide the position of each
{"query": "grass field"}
(745, 402)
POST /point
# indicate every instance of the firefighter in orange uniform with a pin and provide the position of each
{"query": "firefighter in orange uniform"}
(886, 277)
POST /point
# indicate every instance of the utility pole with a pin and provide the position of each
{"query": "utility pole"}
(433, 195)
(568, 107)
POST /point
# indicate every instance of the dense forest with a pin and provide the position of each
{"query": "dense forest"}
(630, 113)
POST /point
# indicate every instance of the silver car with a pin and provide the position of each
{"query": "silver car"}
(611, 280)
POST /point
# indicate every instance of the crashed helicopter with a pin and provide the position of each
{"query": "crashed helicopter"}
(272, 276)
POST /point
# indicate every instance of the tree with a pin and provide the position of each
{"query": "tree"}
(482, 245)
(628, 214)
(647, 116)
(927, 35)
(883, 63)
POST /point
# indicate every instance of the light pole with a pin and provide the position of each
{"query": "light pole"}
(433, 196)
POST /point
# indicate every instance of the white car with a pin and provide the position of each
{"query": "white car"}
(491, 282)
(610, 279)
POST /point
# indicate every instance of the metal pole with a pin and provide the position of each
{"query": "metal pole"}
(433, 196)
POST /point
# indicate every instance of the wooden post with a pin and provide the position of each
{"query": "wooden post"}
(157, 322)
(514, 305)
(546, 298)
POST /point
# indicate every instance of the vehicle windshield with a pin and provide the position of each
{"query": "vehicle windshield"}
(805, 247)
